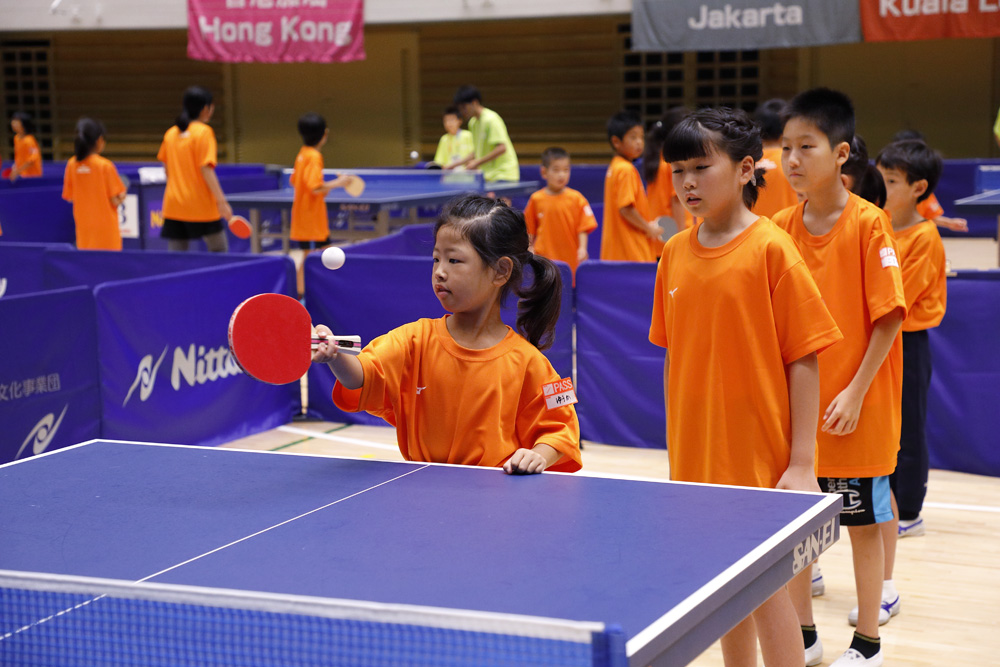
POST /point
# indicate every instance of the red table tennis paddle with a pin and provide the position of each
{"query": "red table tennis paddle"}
(270, 336)
(6, 172)
(239, 226)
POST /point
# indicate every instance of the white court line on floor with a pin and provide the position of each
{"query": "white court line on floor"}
(967, 508)
(337, 438)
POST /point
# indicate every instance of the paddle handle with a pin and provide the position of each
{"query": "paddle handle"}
(348, 344)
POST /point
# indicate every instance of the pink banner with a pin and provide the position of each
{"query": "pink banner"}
(276, 31)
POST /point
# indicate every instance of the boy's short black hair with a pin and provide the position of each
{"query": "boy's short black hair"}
(26, 122)
(915, 159)
(768, 117)
(452, 111)
(903, 135)
(312, 127)
(467, 94)
(621, 123)
(553, 153)
(829, 110)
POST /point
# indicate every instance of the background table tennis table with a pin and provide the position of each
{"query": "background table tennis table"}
(652, 570)
(984, 203)
(387, 191)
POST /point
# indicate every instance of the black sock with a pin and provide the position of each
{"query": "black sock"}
(808, 635)
(866, 646)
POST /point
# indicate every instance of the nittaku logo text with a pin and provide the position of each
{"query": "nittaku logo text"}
(194, 365)
(730, 18)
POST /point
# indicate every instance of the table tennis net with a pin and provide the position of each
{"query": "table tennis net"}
(51, 620)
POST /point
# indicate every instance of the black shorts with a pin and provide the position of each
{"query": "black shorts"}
(866, 499)
(179, 229)
(313, 245)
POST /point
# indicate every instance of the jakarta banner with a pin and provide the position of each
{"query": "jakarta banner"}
(904, 20)
(276, 31)
(725, 25)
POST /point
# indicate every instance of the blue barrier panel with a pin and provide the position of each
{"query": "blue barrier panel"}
(65, 268)
(962, 415)
(370, 295)
(37, 215)
(49, 383)
(619, 372)
(22, 267)
(588, 179)
(166, 371)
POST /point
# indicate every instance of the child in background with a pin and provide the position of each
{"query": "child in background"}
(629, 233)
(777, 192)
(455, 143)
(194, 206)
(492, 150)
(911, 171)
(848, 246)
(92, 184)
(931, 208)
(497, 415)
(558, 217)
(747, 364)
(27, 157)
(310, 226)
(660, 193)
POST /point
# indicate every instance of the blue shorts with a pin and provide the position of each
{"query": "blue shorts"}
(866, 499)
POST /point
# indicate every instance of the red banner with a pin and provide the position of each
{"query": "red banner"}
(905, 20)
(276, 31)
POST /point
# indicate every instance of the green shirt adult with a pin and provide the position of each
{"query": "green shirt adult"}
(488, 132)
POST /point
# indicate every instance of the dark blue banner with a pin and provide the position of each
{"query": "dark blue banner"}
(166, 371)
(49, 385)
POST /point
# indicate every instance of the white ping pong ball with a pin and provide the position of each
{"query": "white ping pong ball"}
(414, 155)
(333, 258)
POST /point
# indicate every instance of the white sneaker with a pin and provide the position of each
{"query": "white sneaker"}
(814, 653)
(853, 658)
(888, 609)
(818, 585)
(912, 528)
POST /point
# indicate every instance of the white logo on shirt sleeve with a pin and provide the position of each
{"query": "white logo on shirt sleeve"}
(888, 256)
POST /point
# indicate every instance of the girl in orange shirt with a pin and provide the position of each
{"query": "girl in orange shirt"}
(742, 320)
(93, 186)
(194, 206)
(27, 157)
(466, 388)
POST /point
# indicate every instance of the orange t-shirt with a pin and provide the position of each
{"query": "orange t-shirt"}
(90, 185)
(930, 208)
(732, 319)
(619, 239)
(450, 404)
(924, 277)
(556, 221)
(777, 193)
(309, 217)
(660, 192)
(187, 197)
(856, 265)
(27, 157)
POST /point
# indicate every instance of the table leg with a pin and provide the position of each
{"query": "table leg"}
(255, 230)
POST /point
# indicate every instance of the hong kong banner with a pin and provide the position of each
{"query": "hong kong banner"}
(276, 31)
(725, 25)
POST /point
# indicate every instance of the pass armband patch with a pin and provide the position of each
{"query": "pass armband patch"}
(559, 394)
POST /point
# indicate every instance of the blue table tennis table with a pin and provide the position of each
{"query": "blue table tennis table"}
(136, 553)
(984, 203)
(387, 191)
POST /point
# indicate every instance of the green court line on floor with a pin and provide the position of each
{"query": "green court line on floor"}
(301, 440)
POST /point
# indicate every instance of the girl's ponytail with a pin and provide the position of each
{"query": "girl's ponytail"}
(539, 304)
(196, 98)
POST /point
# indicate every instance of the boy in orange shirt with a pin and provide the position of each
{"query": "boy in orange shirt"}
(558, 217)
(777, 192)
(741, 409)
(849, 247)
(629, 233)
(911, 170)
(27, 157)
(93, 186)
